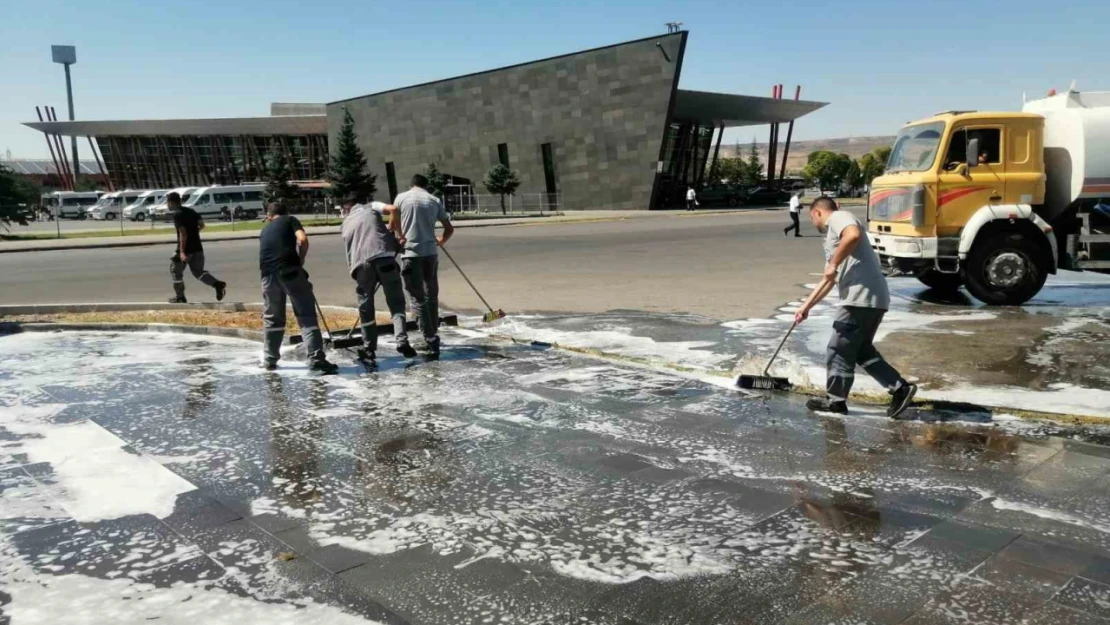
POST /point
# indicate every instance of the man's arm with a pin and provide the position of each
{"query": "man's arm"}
(819, 293)
(302, 243)
(849, 240)
(448, 231)
(182, 237)
(200, 225)
(394, 222)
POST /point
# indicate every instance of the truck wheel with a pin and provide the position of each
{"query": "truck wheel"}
(1003, 270)
(947, 282)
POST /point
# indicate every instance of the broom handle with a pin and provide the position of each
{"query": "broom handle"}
(779, 348)
(321, 311)
(488, 307)
(351, 332)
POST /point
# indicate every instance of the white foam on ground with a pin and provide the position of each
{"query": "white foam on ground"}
(1052, 515)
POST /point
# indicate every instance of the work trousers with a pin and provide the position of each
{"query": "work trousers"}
(369, 275)
(293, 283)
(796, 226)
(195, 263)
(421, 277)
(853, 334)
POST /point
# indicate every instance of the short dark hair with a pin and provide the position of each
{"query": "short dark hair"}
(274, 209)
(823, 202)
(419, 180)
(173, 196)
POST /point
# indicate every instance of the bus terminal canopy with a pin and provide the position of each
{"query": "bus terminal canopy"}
(722, 109)
(286, 125)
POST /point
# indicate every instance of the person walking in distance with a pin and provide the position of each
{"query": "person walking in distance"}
(372, 260)
(691, 198)
(795, 208)
(851, 264)
(419, 211)
(282, 247)
(189, 252)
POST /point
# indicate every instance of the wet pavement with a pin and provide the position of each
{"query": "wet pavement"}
(165, 477)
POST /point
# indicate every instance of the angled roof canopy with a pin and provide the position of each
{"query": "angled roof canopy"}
(287, 125)
(715, 109)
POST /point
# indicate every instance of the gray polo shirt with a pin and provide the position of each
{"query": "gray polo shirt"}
(366, 237)
(420, 211)
(860, 277)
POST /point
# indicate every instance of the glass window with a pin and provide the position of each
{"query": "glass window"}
(503, 153)
(204, 199)
(990, 146)
(915, 147)
(253, 196)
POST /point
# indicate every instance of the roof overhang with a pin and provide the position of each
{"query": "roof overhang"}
(716, 109)
(283, 125)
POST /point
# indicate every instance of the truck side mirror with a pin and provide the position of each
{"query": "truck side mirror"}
(971, 156)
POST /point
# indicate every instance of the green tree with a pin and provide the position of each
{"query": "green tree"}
(278, 188)
(17, 196)
(753, 169)
(437, 180)
(729, 170)
(347, 169)
(854, 176)
(827, 169)
(882, 154)
(501, 181)
(870, 167)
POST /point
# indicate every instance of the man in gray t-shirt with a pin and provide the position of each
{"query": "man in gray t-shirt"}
(852, 266)
(420, 211)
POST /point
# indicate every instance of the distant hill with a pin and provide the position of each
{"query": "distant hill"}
(799, 150)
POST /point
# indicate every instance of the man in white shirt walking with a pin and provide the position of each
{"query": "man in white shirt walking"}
(795, 208)
(691, 198)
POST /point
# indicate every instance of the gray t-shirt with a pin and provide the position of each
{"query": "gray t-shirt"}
(366, 237)
(420, 211)
(860, 277)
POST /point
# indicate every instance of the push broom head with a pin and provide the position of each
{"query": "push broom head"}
(493, 315)
(763, 382)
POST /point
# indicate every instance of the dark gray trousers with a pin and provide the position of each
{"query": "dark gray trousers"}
(851, 344)
(421, 277)
(387, 273)
(292, 282)
(195, 263)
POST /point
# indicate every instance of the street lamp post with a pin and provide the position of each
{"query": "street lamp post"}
(67, 55)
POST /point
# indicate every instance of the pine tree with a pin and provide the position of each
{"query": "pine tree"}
(278, 188)
(501, 181)
(753, 171)
(437, 180)
(347, 169)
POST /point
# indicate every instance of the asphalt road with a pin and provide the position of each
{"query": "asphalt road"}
(723, 266)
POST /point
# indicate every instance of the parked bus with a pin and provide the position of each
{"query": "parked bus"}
(225, 202)
(70, 204)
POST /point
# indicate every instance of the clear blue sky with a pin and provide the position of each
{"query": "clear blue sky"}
(879, 63)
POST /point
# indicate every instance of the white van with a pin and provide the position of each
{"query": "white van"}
(161, 211)
(111, 205)
(240, 201)
(139, 209)
(70, 203)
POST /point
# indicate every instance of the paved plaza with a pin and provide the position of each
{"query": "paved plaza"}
(165, 478)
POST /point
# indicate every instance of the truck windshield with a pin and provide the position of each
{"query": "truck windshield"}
(915, 147)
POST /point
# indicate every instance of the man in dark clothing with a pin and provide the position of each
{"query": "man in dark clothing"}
(189, 252)
(372, 248)
(283, 245)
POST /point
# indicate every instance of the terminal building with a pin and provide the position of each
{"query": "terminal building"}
(602, 128)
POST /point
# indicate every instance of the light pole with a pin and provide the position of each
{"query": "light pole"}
(67, 55)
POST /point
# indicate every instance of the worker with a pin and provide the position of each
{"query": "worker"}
(419, 212)
(691, 198)
(795, 208)
(372, 260)
(282, 247)
(189, 252)
(851, 264)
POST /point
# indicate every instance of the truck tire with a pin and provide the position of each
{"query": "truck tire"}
(1003, 271)
(947, 282)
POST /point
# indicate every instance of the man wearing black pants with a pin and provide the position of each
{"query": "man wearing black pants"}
(189, 252)
(795, 208)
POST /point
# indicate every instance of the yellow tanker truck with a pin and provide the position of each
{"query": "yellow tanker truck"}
(996, 201)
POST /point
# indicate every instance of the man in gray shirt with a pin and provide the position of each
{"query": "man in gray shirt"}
(372, 260)
(420, 211)
(851, 265)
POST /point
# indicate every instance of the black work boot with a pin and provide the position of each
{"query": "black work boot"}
(900, 400)
(178, 300)
(366, 355)
(405, 349)
(221, 290)
(269, 365)
(433, 347)
(824, 404)
(323, 367)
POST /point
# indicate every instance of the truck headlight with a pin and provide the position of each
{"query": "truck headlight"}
(908, 247)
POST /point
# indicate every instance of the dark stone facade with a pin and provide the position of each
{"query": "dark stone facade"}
(603, 111)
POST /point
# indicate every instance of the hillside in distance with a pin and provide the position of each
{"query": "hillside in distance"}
(854, 147)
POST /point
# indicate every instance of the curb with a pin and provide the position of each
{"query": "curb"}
(11, 327)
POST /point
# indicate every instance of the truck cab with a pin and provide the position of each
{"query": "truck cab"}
(957, 205)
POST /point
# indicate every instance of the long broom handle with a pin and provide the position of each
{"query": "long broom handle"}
(321, 311)
(488, 307)
(779, 348)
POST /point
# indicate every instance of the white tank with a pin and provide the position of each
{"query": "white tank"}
(1076, 147)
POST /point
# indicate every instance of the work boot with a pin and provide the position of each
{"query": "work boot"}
(221, 290)
(269, 365)
(405, 349)
(433, 347)
(366, 355)
(824, 404)
(178, 300)
(902, 396)
(323, 367)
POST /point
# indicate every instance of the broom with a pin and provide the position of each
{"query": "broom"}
(764, 381)
(492, 315)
